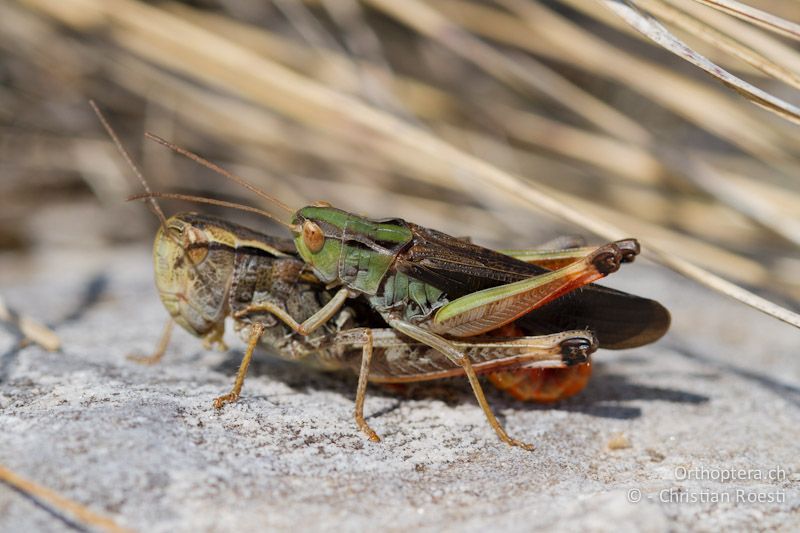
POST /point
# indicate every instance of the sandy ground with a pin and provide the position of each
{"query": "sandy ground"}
(143, 444)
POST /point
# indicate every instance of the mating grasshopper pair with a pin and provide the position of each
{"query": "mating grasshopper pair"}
(392, 300)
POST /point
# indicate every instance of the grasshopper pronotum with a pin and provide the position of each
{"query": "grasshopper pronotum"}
(208, 269)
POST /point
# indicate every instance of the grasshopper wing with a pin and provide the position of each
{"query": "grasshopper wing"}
(620, 320)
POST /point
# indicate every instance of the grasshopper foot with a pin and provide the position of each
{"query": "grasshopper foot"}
(368, 431)
(145, 359)
(160, 350)
(524, 445)
(225, 398)
(607, 259)
(630, 249)
(577, 350)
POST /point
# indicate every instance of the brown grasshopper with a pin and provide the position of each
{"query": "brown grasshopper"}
(438, 289)
(208, 269)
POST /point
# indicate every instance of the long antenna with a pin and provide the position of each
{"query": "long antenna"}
(152, 204)
(212, 201)
(216, 168)
(111, 133)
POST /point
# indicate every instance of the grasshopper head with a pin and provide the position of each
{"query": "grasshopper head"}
(189, 273)
(349, 248)
(318, 239)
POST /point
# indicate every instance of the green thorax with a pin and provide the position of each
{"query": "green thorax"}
(402, 296)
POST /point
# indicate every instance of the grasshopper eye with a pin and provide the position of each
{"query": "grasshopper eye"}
(312, 236)
(195, 245)
(197, 255)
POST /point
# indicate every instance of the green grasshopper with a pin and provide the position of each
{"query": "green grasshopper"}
(208, 269)
(436, 289)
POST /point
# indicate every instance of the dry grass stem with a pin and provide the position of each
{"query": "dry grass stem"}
(84, 516)
(507, 110)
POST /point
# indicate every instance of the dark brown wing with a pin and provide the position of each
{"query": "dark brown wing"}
(459, 267)
(620, 320)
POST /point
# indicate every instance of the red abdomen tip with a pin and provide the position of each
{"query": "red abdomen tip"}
(543, 385)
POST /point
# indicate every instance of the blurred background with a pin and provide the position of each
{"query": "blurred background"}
(510, 121)
(468, 116)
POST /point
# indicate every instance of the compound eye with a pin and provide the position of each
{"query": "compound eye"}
(195, 244)
(313, 237)
(197, 255)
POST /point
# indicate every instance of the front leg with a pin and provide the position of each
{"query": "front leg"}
(361, 391)
(160, 350)
(353, 338)
(256, 330)
(316, 320)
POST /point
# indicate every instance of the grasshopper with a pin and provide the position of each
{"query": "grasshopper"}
(437, 290)
(208, 269)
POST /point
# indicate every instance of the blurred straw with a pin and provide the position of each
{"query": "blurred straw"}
(659, 34)
(544, 32)
(721, 40)
(31, 330)
(605, 152)
(766, 44)
(50, 498)
(756, 16)
(243, 79)
(519, 72)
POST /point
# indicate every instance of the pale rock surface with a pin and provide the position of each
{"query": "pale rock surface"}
(144, 445)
